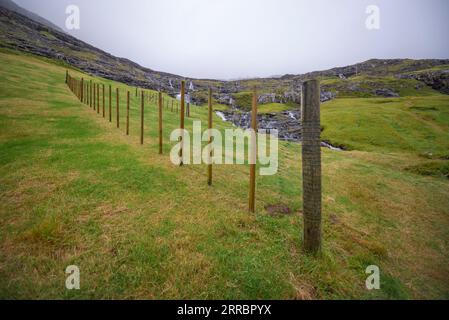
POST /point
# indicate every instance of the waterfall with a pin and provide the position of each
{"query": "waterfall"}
(221, 115)
(291, 115)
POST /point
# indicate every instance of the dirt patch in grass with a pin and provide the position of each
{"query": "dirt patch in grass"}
(278, 210)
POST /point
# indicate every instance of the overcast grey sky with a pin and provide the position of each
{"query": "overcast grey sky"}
(247, 38)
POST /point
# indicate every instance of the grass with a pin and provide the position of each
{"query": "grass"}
(76, 190)
(411, 124)
(261, 108)
(273, 107)
(365, 86)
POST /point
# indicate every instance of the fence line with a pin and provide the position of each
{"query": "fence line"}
(88, 93)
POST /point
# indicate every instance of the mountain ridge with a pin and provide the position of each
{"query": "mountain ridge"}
(22, 33)
(11, 5)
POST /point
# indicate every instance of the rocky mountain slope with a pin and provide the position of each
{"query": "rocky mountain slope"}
(387, 78)
(10, 5)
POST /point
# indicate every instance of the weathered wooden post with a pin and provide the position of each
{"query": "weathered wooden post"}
(136, 92)
(95, 93)
(311, 165)
(117, 107)
(183, 90)
(142, 102)
(67, 76)
(253, 154)
(82, 90)
(103, 99)
(160, 121)
(110, 103)
(90, 94)
(188, 109)
(209, 166)
(127, 114)
(98, 98)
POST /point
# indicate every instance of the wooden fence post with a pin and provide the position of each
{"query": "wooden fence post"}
(311, 165)
(95, 96)
(160, 121)
(83, 91)
(183, 90)
(142, 102)
(118, 107)
(98, 98)
(253, 154)
(127, 114)
(110, 103)
(188, 109)
(209, 166)
(67, 76)
(103, 99)
(90, 94)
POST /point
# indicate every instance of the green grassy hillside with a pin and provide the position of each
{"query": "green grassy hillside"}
(76, 190)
